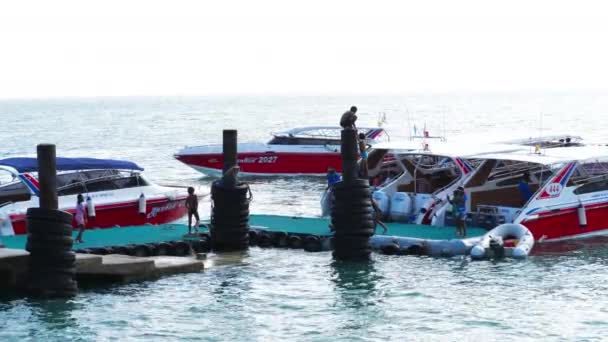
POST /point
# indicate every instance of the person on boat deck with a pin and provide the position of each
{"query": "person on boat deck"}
(192, 206)
(80, 217)
(363, 170)
(348, 118)
(524, 187)
(458, 203)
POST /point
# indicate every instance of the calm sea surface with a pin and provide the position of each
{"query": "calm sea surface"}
(560, 293)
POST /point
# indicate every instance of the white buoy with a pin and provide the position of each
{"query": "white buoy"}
(142, 204)
(90, 208)
(582, 215)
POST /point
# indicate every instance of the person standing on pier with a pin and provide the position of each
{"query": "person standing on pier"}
(348, 118)
(458, 203)
(80, 217)
(192, 206)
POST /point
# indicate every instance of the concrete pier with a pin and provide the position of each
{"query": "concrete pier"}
(97, 268)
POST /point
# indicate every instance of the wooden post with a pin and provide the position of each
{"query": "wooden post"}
(350, 154)
(47, 176)
(230, 154)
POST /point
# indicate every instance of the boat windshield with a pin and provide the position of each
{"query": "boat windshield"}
(73, 183)
(97, 180)
(321, 136)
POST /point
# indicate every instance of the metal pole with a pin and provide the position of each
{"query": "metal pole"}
(229, 151)
(47, 176)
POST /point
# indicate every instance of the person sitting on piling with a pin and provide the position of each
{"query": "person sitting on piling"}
(458, 203)
(348, 118)
(192, 206)
(80, 217)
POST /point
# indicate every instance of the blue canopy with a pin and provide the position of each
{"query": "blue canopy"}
(71, 164)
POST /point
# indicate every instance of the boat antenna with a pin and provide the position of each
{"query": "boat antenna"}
(540, 132)
(409, 123)
(444, 138)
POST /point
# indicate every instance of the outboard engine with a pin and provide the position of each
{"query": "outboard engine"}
(497, 247)
(383, 202)
(401, 206)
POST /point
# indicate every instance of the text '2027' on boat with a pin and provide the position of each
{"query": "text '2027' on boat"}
(116, 193)
(299, 151)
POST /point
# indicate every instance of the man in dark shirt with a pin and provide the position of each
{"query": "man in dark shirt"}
(348, 118)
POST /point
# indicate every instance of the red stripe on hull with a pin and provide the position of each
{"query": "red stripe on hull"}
(564, 223)
(271, 163)
(123, 214)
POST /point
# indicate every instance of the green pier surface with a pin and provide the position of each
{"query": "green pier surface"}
(303, 225)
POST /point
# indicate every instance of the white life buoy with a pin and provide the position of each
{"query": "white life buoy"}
(90, 208)
(142, 204)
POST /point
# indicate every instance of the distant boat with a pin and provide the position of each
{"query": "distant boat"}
(299, 151)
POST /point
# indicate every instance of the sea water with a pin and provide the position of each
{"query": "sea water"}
(559, 293)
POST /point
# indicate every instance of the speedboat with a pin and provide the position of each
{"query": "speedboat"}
(299, 151)
(117, 193)
(568, 187)
(411, 185)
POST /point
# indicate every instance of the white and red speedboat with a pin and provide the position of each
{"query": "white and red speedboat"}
(299, 151)
(116, 192)
(568, 187)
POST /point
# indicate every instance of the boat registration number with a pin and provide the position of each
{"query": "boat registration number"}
(267, 160)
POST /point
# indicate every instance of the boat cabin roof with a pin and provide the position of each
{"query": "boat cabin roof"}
(550, 141)
(552, 155)
(23, 165)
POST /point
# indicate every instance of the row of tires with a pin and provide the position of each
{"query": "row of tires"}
(266, 239)
(260, 238)
(352, 217)
(52, 264)
(315, 243)
(230, 217)
(170, 248)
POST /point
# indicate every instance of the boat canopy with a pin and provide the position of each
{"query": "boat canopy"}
(553, 155)
(452, 149)
(22, 165)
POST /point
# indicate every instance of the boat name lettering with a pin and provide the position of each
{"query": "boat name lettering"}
(101, 195)
(248, 160)
(169, 206)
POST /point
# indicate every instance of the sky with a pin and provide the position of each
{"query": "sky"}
(308, 47)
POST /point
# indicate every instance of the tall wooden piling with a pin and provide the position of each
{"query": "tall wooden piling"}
(352, 214)
(229, 146)
(51, 261)
(350, 155)
(47, 176)
(230, 198)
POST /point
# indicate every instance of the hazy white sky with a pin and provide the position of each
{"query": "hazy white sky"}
(88, 48)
